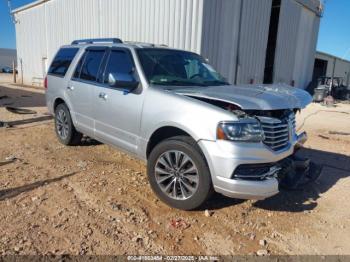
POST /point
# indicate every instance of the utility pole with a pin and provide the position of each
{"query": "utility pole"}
(333, 72)
(14, 22)
(21, 70)
(14, 71)
(348, 76)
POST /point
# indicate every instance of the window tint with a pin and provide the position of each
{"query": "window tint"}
(119, 62)
(78, 68)
(91, 66)
(178, 68)
(62, 61)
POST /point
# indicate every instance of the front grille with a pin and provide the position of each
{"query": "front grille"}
(278, 131)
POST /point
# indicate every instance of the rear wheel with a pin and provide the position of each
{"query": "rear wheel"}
(178, 173)
(65, 130)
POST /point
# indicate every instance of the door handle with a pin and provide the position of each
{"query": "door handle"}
(71, 88)
(103, 96)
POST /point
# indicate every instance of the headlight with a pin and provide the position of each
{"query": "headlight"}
(245, 130)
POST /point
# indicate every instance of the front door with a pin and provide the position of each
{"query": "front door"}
(117, 112)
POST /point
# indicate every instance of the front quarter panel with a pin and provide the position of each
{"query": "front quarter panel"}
(163, 108)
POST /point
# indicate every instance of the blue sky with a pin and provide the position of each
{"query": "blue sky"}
(334, 36)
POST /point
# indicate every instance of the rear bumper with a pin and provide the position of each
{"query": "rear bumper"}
(224, 157)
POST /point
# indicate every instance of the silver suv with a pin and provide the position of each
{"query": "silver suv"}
(169, 107)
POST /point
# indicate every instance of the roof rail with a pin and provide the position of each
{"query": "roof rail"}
(97, 40)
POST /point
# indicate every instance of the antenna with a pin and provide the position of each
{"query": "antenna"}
(10, 9)
(346, 53)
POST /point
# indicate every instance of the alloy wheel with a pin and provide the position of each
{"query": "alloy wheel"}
(62, 124)
(177, 175)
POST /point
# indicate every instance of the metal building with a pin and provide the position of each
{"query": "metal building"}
(331, 66)
(248, 41)
(7, 56)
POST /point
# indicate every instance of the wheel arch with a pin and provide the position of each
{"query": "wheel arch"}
(57, 102)
(163, 133)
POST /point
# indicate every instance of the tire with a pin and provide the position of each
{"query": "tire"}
(191, 176)
(65, 130)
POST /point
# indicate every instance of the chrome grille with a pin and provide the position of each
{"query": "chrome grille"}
(278, 131)
(293, 121)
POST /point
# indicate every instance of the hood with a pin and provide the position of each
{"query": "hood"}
(252, 97)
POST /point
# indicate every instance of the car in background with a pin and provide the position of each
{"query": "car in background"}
(8, 70)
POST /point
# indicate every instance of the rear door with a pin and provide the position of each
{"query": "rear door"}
(117, 112)
(81, 88)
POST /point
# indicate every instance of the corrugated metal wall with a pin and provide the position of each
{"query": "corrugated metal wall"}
(220, 35)
(177, 23)
(305, 52)
(31, 43)
(221, 30)
(253, 42)
(63, 24)
(342, 67)
(287, 41)
(296, 44)
(209, 27)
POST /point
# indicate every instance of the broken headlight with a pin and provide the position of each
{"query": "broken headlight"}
(244, 130)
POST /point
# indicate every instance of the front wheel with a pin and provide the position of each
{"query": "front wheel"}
(65, 130)
(178, 173)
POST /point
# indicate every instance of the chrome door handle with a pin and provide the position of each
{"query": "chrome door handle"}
(71, 88)
(103, 96)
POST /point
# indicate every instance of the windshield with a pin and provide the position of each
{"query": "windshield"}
(177, 68)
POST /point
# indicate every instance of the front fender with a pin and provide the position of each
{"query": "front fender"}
(166, 109)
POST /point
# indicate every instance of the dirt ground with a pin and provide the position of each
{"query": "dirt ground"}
(93, 199)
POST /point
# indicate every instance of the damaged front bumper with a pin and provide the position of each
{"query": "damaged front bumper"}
(248, 170)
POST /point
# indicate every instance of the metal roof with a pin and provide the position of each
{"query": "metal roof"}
(332, 56)
(28, 6)
(314, 5)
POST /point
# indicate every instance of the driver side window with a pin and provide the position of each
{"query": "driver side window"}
(119, 62)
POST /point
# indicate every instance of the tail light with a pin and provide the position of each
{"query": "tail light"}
(45, 83)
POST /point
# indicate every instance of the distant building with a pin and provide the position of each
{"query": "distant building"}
(248, 41)
(7, 56)
(330, 65)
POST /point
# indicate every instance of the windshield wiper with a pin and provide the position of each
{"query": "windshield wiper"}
(216, 82)
(178, 82)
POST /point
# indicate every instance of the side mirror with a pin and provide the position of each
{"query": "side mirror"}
(120, 80)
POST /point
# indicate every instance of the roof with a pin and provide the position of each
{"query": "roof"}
(28, 6)
(314, 5)
(134, 45)
(109, 42)
(332, 56)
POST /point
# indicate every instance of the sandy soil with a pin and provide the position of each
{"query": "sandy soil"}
(92, 199)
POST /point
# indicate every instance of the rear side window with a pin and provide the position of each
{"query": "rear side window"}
(119, 62)
(62, 61)
(91, 65)
(78, 68)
